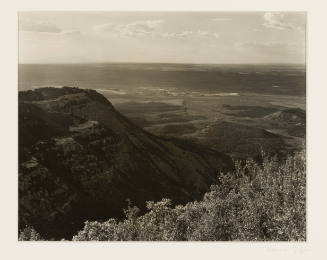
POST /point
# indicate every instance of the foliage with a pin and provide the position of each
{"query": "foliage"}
(29, 234)
(258, 203)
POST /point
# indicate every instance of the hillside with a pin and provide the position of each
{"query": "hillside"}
(293, 119)
(263, 202)
(256, 203)
(290, 115)
(241, 140)
(80, 159)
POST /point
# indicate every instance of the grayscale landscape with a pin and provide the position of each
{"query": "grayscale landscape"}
(162, 126)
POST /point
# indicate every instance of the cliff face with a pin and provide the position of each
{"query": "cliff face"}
(80, 159)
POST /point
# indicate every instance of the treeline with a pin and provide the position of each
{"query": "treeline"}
(265, 202)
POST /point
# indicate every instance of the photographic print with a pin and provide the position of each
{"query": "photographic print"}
(162, 126)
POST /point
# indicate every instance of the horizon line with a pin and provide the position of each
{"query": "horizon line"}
(179, 63)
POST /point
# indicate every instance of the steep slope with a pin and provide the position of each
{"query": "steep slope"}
(80, 160)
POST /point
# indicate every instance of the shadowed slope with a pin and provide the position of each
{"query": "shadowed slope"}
(80, 160)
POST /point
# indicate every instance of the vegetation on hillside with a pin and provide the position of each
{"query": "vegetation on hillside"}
(256, 203)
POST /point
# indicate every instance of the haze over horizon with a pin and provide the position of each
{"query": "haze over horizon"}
(162, 37)
(153, 62)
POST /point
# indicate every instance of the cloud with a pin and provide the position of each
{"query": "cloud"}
(71, 32)
(134, 29)
(148, 28)
(270, 45)
(107, 27)
(278, 21)
(221, 19)
(38, 26)
(182, 35)
(186, 34)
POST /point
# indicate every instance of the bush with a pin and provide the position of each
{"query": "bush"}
(256, 203)
(29, 234)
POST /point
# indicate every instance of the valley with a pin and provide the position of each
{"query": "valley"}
(206, 120)
(165, 131)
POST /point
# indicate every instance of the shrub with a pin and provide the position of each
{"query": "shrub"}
(29, 234)
(256, 203)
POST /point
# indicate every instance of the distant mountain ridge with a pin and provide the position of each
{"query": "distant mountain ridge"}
(80, 159)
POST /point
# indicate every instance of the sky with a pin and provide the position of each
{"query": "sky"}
(164, 37)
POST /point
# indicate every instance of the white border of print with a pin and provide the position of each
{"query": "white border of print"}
(316, 140)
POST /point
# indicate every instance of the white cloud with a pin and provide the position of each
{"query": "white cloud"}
(203, 33)
(38, 26)
(221, 19)
(186, 34)
(134, 29)
(271, 45)
(183, 34)
(278, 21)
(148, 28)
(71, 32)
